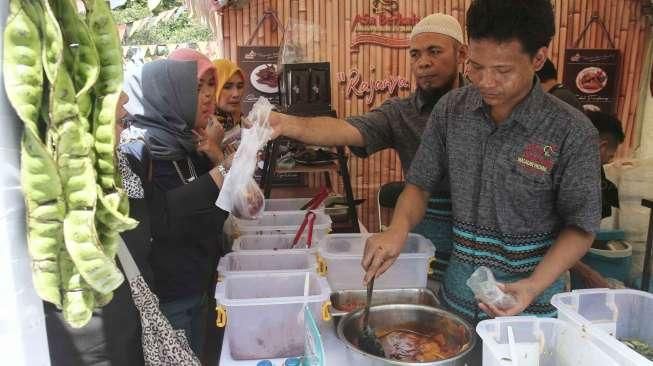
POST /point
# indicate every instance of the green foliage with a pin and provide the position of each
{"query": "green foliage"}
(133, 10)
(180, 30)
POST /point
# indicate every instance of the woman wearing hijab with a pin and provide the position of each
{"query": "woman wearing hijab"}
(171, 148)
(229, 92)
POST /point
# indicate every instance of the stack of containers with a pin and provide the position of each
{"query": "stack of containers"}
(340, 255)
(610, 316)
(538, 341)
(264, 284)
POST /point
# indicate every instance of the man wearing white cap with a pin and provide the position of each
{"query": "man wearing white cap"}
(436, 52)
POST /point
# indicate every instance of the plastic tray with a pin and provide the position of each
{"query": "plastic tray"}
(539, 341)
(281, 223)
(274, 242)
(265, 262)
(609, 316)
(340, 258)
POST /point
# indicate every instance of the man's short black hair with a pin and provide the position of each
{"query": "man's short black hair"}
(531, 22)
(547, 72)
(608, 126)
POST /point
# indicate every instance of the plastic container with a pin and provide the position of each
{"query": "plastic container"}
(340, 255)
(275, 242)
(289, 205)
(608, 316)
(265, 262)
(263, 313)
(634, 179)
(281, 223)
(538, 341)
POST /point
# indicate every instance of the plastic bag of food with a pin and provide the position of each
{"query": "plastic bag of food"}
(240, 195)
(485, 288)
(248, 202)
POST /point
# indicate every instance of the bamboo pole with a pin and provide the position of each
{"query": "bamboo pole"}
(226, 33)
(233, 26)
(249, 22)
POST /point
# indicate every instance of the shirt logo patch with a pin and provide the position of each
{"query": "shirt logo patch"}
(538, 158)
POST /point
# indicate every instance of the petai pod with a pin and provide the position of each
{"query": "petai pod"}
(78, 299)
(22, 64)
(81, 238)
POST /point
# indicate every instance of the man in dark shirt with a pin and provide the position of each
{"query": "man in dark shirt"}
(549, 80)
(436, 52)
(523, 168)
(610, 136)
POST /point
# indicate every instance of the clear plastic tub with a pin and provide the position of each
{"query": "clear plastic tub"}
(610, 316)
(265, 262)
(340, 258)
(263, 313)
(289, 204)
(538, 341)
(274, 242)
(281, 223)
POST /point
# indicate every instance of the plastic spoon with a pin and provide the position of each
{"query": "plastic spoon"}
(513, 348)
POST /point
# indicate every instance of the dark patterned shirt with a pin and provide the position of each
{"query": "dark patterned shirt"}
(514, 186)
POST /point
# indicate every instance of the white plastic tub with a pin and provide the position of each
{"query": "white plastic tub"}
(608, 316)
(281, 223)
(274, 242)
(265, 262)
(340, 258)
(539, 342)
(289, 204)
(263, 315)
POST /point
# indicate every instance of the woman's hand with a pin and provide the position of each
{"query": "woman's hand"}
(209, 139)
(229, 149)
(214, 130)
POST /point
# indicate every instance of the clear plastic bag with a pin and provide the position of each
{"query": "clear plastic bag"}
(240, 195)
(298, 43)
(485, 288)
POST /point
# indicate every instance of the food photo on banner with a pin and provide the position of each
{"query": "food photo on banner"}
(259, 64)
(593, 75)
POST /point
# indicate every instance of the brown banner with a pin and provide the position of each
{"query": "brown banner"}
(593, 75)
(259, 64)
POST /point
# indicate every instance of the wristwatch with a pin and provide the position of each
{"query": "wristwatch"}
(222, 170)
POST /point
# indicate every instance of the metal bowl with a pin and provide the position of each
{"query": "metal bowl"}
(402, 316)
